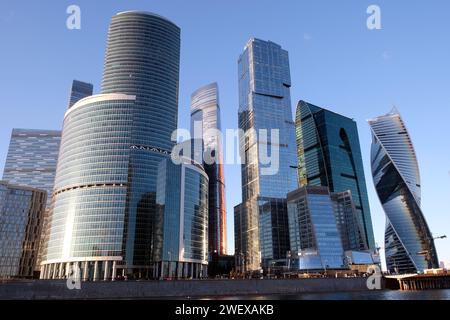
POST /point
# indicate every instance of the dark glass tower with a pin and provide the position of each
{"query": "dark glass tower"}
(409, 244)
(142, 59)
(205, 117)
(329, 155)
(78, 91)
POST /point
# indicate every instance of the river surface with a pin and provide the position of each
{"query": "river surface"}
(365, 295)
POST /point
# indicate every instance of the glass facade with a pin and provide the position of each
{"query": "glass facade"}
(78, 91)
(273, 230)
(205, 118)
(86, 224)
(181, 248)
(21, 218)
(314, 235)
(142, 59)
(349, 222)
(329, 154)
(104, 213)
(264, 104)
(32, 158)
(409, 244)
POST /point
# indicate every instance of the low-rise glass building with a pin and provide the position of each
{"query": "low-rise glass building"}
(349, 222)
(315, 238)
(21, 216)
(181, 242)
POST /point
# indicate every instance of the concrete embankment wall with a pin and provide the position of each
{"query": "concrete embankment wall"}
(57, 289)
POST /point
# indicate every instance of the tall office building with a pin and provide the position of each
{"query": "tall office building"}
(32, 158)
(21, 213)
(329, 154)
(205, 118)
(78, 91)
(104, 204)
(409, 244)
(314, 235)
(264, 104)
(181, 246)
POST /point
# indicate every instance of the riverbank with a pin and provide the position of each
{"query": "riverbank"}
(57, 289)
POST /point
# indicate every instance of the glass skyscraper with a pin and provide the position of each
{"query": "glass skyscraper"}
(104, 204)
(21, 214)
(86, 223)
(329, 154)
(32, 158)
(205, 117)
(78, 91)
(181, 246)
(142, 59)
(264, 104)
(409, 244)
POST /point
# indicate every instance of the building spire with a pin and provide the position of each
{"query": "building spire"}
(394, 110)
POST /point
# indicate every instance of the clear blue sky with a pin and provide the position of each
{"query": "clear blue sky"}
(336, 62)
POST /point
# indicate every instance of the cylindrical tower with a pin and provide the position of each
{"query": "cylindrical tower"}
(105, 190)
(89, 199)
(142, 59)
(181, 249)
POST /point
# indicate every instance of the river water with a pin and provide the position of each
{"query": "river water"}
(365, 295)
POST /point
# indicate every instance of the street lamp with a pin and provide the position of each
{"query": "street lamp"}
(288, 257)
(427, 253)
(299, 254)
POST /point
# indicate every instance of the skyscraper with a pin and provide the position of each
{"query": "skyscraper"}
(182, 201)
(21, 213)
(78, 91)
(264, 104)
(329, 154)
(32, 158)
(409, 244)
(104, 204)
(205, 117)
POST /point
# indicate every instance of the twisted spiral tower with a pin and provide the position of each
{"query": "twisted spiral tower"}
(409, 244)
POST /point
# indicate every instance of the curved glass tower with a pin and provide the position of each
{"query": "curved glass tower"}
(409, 244)
(104, 199)
(181, 250)
(89, 199)
(205, 121)
(142, 59)
(329, 154)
